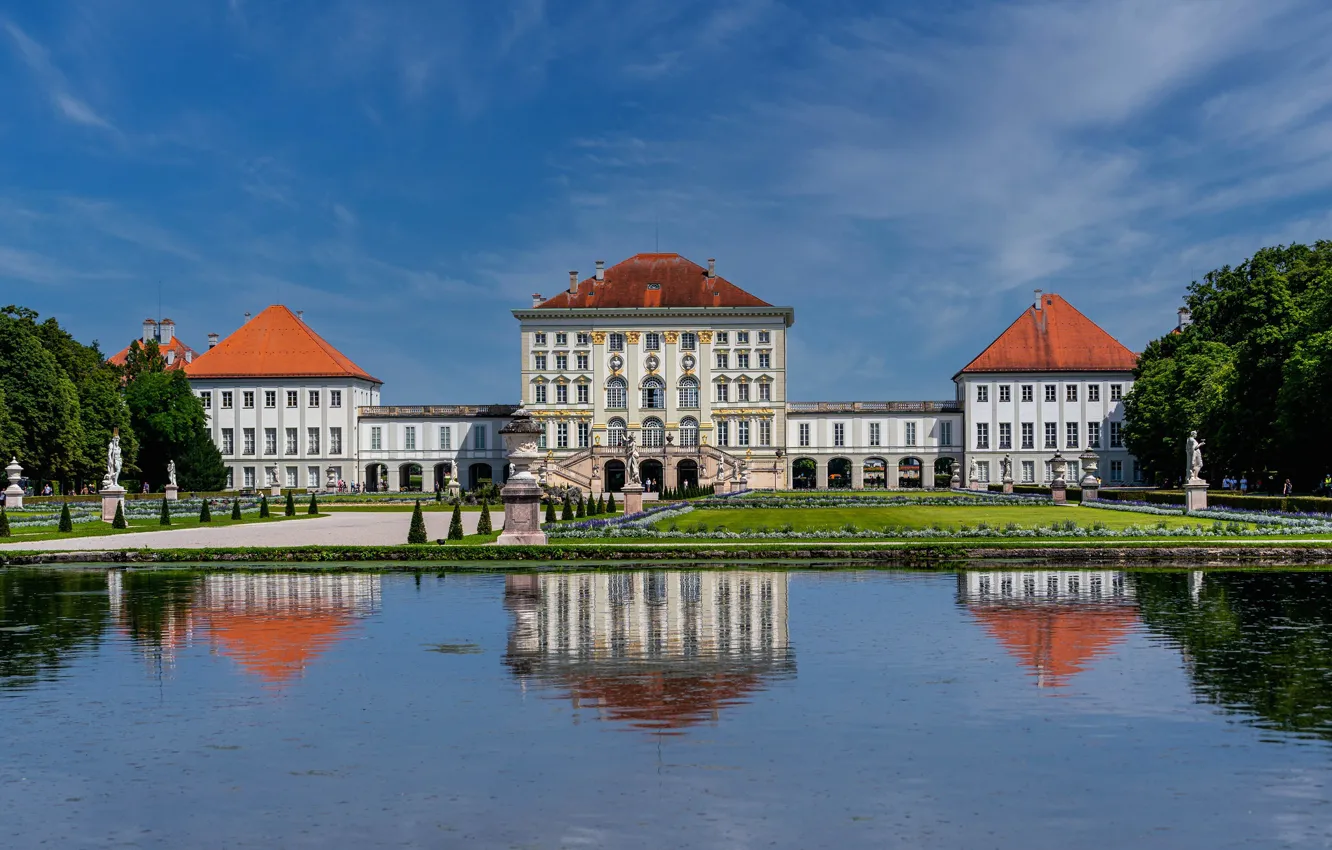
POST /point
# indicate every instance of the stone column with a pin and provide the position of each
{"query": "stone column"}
(522, 493)
(14, 493)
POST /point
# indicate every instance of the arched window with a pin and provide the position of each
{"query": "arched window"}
(689, 431)
(654, 393)
(689, 393)
(654, 432)
(617, 394)
(688, 341)
(615, 432)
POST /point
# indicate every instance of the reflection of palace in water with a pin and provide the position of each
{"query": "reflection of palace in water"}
(272, 624)
(659, 650)
(1055, 622)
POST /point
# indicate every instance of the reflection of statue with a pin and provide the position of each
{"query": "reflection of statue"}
(113, 466)
(1193, 456)
(171, 472)
(631, 460)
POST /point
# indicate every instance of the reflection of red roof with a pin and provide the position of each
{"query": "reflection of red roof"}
(277, 647)
(1055, 338)
(661, 701)
(1059, 641)
(275, 343)
(655, 280)
(182, 354)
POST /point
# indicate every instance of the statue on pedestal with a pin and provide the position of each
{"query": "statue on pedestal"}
(171, 473)
(1006, 468)
(1193, 456)
(631, 471)
(974, 473)
(113, 463)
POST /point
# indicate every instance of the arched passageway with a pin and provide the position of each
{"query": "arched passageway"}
(409, 477)
(376, 477)
(443, 475)
(875, 473)
(839, 473)
(614, 476)
(908, 472)
(943, 471)
(804, 474)
(480, 475)
(650, 473)
(686, 474)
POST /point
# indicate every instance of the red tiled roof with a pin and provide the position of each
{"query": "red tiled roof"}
(1057, 643)
(277, 647)
(655, 280)
(182, 354)
(1055, 338)
(275, 344)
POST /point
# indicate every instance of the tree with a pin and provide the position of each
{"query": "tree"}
(200, 467)
(417, 533)
(166, 513)
(314, 506)
(290, 509)
(205, 515)
(119, 520)
(170, 423)
(567, 512)
(66, 521)
(550, 510)
(455, 524)
(610, 503)
(42, 403)
(263, 506)
(601, 505)
(483, 524)
(580, 508)
(4, 523)
(235, 509)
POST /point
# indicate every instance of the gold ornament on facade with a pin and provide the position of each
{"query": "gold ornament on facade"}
(671, 337)
(631, 337)
(598, 337)
(705, 336)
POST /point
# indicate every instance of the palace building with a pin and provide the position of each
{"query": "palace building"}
(689, 365)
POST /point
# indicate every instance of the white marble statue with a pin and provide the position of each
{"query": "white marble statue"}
(512, 470)
(631, 461)
(171, 473)
(1193, 456)
(974, 472)
(113, 464)
(1006, 465)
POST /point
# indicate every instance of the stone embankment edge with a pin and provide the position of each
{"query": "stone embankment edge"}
(520, 558)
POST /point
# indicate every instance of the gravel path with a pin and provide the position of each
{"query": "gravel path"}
(342, 528)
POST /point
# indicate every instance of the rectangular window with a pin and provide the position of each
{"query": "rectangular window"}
(1027, 392)
(581, 359)
(584, 435)
(539, 338)
(312, 477)
(584, 338)
(982, 394)
(583, 393)
(1028, 435)
(839, 434)
(376, 438)
(982, 435)
(1005, 435)
(231, 478)
(983, 471)
(616, 342)
(688, 341)
(1116, 470)
(910, 433)
(539, 393)
(1005, 392)
(335, 441)
(541, 440)
(652, 341)
(1116, 435)
(1049, 472)
(1116, 392)
(723, 433)
(1071, 435)
(1093, 435)
(1070, 392)
(446, 437)
(561, 338)
(270, 399)
(723, 338)
(1137, 472)
(292, 447)
(291, 398)
(803, 430)
(1051, 392)
(226, 399)
(247, 399)
(314, 398)
(765, 359)
(742, 432)
(945, 433)
(207, 398)
(561, 394)
(742, 360)
(1072, 475)
(292, 477)
(723, 360)
(874, 433)
(765, 391)
(765, 432)
(409, 437)
(539, 361)
(1093, 392)
(723, 392)
(742, 337)
(335, 398)
(742, 392)
(247, 475)
(228, 441)
(562, 361)
(765, 337)
(1051, 435)
(561, 435)
(270, 441)
(247, 440)
(312, 441)
(479, 437)
(1028, 472)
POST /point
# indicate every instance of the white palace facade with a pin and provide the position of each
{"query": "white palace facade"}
(690, 365)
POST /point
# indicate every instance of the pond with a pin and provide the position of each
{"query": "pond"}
(666, 708)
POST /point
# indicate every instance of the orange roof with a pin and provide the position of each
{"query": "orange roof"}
(661, 701)
(277, 648)
(1057, 642)
(1055, 338)
(655, 280)
(183, 353)
(275, 344)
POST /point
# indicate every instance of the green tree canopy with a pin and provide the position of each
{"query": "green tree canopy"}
(45, 430)
(170, 422)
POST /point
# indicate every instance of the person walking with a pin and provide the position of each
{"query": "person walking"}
(1286, 489)
(1244, 484)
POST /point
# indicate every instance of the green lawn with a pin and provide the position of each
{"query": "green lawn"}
(916, 516)
(426, 505)
(221, 516)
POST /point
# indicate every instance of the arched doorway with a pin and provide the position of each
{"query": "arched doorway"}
(908, 472)
(376, 477)
(480, 475)
(943, 471)
(804, 474)
(409, 478)
(443, 475)
(839, 473)
(650, 470)
(614, 472)
(875, 473)
(686, 474)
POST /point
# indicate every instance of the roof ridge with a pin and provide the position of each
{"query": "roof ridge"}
(1050, 336)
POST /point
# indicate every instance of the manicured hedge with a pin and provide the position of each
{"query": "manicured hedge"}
(1228, 499)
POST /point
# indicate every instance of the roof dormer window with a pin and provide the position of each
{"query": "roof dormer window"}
(654, 286)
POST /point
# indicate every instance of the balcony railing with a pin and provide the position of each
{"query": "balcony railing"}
(874, 407)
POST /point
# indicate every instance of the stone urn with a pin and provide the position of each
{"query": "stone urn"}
(1090, 483)
(14, 493)
(956, 481)
(1058, 486)
(522, 492)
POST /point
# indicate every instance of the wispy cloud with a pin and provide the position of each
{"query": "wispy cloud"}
(53, 82)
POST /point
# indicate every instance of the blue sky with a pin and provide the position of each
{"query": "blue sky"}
(406, 173)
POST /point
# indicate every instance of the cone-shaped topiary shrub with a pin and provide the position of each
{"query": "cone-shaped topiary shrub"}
(483, 524)
(314, 506)
(119, 521)
(580, 510)
(567, 513)
(291, 505)
(205, 515)
(455, 524)
(166, 513)
(4, 523)
(235, 509)
(601, 505)
(550, 510)
(439, 494)
(66, 521)
(610, 504)
(417, 533)
(263, 507)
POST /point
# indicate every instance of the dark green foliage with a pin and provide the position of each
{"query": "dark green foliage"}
(314, 505)
(550, 511)
(42, 423)
(66, 521)
(170, 422)
(483, 524)
(580, 510)
(205, 515)
(165, 519)
(455, 524)
(291, 505)
(610, 503)
(235, 509)
(4, 523)
(263, 507)
(439, 495)
(119, 520)
(601, 505)
(417, 532)
(567, 512)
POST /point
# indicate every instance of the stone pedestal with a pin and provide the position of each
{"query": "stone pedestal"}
(1091, 493)
(1195, 495)
(1059, 492)
(275, 490)
(633, 498)
(172, 492)
(975, 484)
(14, 493)
(111, 497)
(522, 492)
(1008, 484)
(741, 485)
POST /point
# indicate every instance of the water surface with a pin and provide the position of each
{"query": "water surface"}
(1021, 709)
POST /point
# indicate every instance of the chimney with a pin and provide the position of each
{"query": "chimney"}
(537, 299)
(212, 340)
(601, 270)
(1185, 318)
(149, 331)
(573, 283)
(247, 315)
(167, 331)
(189, 356)
(300, 314)
(1037, 301)
(712, 268)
